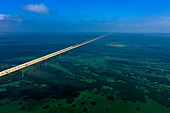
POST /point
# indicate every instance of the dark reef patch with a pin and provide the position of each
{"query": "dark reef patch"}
(1, 104)
(83, 102)
(73, 105)
(70, 100)
(20, 103)
(23, 108)
(111, 98)
(53, 101)
(7, 102)
(93, 103)
(46, 107)
(89, 97)
(59, 105)
(138, 109)
(85, 110)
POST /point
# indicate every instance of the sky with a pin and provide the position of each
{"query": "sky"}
(128, 16)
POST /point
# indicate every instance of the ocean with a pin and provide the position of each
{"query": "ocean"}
(120, 73)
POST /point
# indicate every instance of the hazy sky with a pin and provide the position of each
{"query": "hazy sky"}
(85, 16)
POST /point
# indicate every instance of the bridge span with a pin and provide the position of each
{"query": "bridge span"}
(32, 62)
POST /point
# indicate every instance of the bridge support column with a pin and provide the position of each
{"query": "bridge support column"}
(46, 63)
(22, 73)
(60, 56)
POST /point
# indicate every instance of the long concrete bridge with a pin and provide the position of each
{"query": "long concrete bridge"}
(32, 62)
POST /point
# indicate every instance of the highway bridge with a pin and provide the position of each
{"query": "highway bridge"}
(32, 62)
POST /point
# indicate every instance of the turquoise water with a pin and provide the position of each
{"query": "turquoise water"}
(133, 77)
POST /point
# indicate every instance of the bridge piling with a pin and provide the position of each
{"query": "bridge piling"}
(22, 73)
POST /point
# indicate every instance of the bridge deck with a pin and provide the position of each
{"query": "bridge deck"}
(21, 66)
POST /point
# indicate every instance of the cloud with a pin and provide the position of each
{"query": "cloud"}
(10, 18)
(37, 8)
(2, 16)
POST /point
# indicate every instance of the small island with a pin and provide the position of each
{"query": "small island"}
(117, 45)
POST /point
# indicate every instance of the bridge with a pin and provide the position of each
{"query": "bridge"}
(32, 62)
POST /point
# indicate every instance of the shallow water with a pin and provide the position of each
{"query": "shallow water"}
(98, 77)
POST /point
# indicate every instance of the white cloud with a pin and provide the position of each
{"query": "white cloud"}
(2, 16)
(10, 18)
(37, 8)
